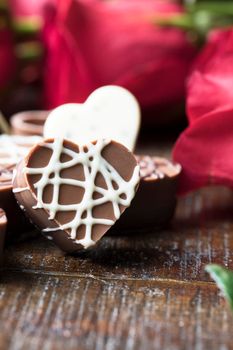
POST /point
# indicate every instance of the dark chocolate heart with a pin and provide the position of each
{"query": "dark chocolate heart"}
(76, 193)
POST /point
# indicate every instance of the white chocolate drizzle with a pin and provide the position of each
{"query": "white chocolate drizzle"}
(20, 189)
(92, 161)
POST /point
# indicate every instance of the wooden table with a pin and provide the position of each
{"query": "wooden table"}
(138, 292)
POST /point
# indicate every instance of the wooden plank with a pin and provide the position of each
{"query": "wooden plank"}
(54, 312)
(201, 233)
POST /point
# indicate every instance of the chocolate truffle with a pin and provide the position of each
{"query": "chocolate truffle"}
(74, 194)
(28, 123)
(155, 201)
(3, 224)
(12, 150)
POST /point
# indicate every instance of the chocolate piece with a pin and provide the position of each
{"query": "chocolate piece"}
(155, 201)
(76, 193)
(12, 150)
(28, 123)
(3, 224)
(109, 112)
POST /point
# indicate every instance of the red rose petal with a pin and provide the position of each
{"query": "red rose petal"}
(205, 148)
(210, 87)
(205, 151)
(95, 43)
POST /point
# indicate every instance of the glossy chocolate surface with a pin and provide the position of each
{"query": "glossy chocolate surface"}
(155, 201)
(12, 150)
(102, 176)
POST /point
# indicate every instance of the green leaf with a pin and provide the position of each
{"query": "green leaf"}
(223, 279)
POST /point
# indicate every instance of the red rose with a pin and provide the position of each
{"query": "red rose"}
(94, 43)
(7, 58)
(205, 148)
(30, 8)
(210, 87)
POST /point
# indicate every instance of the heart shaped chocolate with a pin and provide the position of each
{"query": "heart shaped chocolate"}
(76, 193)
(109, 112)
(12, 150)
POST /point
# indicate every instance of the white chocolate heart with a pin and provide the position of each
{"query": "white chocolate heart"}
(109, 112)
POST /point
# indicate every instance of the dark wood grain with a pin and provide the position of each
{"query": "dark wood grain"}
(147, 291)
(63, 312)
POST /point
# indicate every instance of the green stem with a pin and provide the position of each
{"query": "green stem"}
(219, 8)
(25, 27)
(183, 21)
(200, 18)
